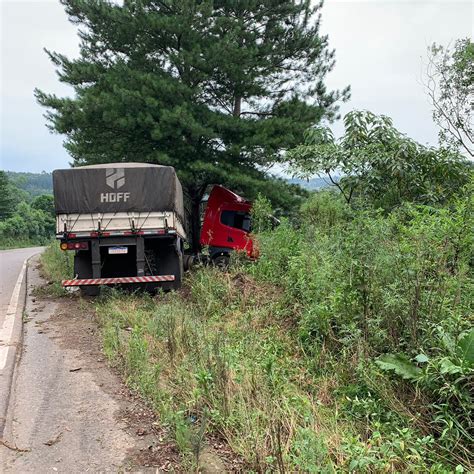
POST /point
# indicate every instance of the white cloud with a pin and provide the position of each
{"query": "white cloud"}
(379, 50)
(26, 28)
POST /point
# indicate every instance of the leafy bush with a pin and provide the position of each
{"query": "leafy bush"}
(23, 223)
(398, 290)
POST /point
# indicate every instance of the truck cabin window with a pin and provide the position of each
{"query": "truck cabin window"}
(236, 219)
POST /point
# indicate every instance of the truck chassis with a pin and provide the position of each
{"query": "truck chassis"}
(152, 261)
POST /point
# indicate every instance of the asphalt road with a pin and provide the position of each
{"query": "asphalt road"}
(11, 263)
(12, 298)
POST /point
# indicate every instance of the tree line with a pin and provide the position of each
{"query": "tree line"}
(25, 218)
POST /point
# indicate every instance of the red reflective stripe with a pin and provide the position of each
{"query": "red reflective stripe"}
(108, 281)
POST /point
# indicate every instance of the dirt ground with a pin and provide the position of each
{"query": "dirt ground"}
(71, 412)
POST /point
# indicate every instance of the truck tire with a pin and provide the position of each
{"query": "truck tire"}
(83, 269)
(221, 261)
(170, 262)
(188, 262)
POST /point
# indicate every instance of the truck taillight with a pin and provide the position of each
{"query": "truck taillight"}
(74, 246)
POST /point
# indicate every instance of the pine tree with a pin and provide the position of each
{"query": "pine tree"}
(219, 89)
(7, 205)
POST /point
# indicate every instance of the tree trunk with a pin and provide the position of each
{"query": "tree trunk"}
(237, 106)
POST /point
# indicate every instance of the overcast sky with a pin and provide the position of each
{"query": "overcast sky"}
(379, 50)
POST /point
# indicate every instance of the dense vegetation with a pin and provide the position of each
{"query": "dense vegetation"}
(34, 184)
(26, 215)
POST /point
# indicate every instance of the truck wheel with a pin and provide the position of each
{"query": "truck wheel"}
(178, 273)
(188, 262)
(83, 269)
(89, 290)
(221, 261)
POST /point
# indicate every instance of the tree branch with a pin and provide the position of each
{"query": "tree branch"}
(335, 183)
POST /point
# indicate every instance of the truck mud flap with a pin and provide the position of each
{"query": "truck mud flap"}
(112, 281)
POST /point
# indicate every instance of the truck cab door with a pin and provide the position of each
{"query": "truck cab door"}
(236, 225)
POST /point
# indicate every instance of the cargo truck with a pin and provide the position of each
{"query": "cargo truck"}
(126, 223)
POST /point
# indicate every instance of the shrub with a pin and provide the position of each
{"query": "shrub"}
(362, 285)
(34, 226)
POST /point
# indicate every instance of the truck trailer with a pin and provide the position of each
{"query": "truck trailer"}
(126, 223)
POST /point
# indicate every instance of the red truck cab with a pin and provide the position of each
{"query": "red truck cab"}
(226, 225)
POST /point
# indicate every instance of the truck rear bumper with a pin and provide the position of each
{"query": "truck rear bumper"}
(119, 280)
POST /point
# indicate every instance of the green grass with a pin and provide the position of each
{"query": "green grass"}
(225, 358)
(56, 265)
(221, 359)
(10, 243)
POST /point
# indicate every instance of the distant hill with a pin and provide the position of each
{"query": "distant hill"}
(34, 184)
(312, 185)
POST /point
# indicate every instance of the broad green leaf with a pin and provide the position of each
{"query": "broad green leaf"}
(400, 364)
(448, 367)
(466, 347)
(421, 358)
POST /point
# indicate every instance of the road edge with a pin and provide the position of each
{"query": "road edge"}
(15, 349)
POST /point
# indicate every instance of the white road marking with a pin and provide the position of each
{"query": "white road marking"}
(7, 328)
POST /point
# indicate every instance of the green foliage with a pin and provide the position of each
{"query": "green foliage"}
(466, 347)
(325, 209)
(400, 364)
(262, 218)
(216, 89)
(396, 290)
(27, 224)
(6, 196)
(449, 82)
(56, 265)
(380, 165)
(23, 224)
(45, 203)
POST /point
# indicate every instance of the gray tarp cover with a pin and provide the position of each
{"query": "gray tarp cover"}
(117, 187)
